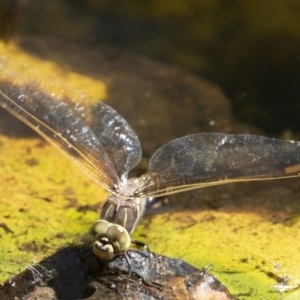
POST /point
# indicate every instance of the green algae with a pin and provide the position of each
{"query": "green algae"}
(44, 207)
(226, 245)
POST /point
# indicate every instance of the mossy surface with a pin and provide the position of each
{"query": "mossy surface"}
(245, 251)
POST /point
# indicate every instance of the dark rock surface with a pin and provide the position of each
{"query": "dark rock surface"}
(74, 273)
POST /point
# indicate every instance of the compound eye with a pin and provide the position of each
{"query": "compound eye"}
(103, 251)
(108, 239)
(98, 229)
(119, 237)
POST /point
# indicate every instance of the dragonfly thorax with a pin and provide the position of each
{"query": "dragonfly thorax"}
(123, 207)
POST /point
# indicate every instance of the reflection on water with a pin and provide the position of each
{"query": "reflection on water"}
(253, 54)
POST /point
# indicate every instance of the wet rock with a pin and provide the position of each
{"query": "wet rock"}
(74, 273)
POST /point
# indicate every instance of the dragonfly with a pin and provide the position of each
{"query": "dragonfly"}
(102, 143)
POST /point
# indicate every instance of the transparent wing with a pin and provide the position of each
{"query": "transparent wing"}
(117, 137)
(205, 159)
(98, 139)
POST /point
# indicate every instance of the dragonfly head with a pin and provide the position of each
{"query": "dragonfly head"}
(108, 239)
